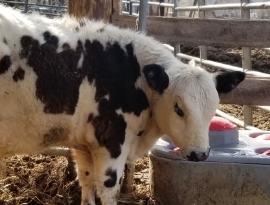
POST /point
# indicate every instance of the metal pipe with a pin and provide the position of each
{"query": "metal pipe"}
(25, 6)
(221, 65)
(236, 121)
(246, 65)
(33, 4)
(143, 15)
(267, 108)
(258, 5)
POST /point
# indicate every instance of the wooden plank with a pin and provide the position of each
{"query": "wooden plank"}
(208, 32)
(125, 21)
(94, 9)
(252, 91)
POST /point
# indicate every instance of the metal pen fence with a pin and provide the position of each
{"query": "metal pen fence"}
(199, 6)
(50, 8)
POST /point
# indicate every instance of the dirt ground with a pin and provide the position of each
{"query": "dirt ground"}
(50, 180)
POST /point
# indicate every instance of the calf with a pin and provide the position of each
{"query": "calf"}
(106, 92)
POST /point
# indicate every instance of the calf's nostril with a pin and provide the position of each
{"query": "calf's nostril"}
(197, 157)
(193, 157)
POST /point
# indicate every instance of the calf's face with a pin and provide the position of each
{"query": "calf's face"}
(184, 103)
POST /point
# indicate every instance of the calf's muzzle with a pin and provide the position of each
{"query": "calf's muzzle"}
(197, 155)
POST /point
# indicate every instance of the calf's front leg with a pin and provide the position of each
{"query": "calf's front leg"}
(108, 173)
(85, 173)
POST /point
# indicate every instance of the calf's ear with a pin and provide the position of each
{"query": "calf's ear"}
(227, 81)
(156, 77)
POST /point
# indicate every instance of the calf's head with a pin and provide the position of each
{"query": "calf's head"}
(185, 100)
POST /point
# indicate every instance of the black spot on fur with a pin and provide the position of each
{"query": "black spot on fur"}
(101, 29)
(58, 81)
(156, 77)
(120, 180)
(55, 135)
(18, 75)
(50, 39)
(109, 129)
(112, 178)
(5, 63)
(227, 81)
(90, 117)
(77, 29)
(5, 41)
(66, 46)
(86, 173)
(140, 133)
(82, 23)
(115, 73)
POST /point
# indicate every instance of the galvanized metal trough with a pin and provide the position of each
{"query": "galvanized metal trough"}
(236, 172)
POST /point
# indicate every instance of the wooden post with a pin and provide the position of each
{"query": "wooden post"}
(246, 64)
(2, 168)
(116, 7)
(127, 185)
(154, 10)
(93, 9)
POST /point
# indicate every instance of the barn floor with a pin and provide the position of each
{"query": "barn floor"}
(50, 180)
(40, 180)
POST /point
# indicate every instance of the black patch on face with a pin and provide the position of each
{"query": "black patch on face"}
(140, 133)
(5, 63)
(112, 180)
(227, 81)
(50, 39)
(156, 77)
(86, 173)
(5, 41)
(55, 135)
(18, 75)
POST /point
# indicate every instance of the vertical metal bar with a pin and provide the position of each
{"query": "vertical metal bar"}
(161, 9)
(177, 46)
(130, 8)
(175, 4)
(143, 15)
(203, 49)
(25, 6)
(177, 49)
(246, 64)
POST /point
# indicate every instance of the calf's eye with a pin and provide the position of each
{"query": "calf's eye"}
(178, 110)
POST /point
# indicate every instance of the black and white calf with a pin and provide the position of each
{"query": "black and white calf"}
(106, 92)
